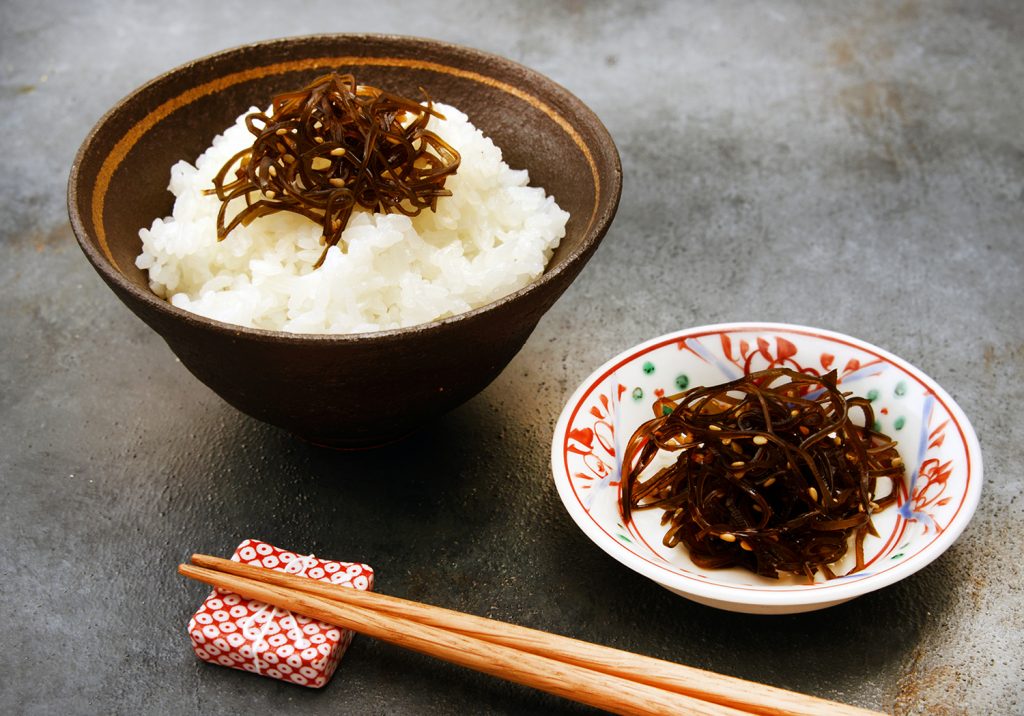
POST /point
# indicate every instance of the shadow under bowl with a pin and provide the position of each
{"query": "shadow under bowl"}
(353, 390)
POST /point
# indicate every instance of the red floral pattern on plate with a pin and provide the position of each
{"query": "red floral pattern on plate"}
(595, 444)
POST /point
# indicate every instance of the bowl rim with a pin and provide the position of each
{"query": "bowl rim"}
(822, 594)
(593, 233)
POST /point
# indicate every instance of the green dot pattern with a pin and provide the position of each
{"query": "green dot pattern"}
(901, 389)
(648, 368)
(638, 394)
(900, 422)
(872, 395)
(682, 381)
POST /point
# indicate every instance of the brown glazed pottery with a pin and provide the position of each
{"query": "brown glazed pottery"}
(352, 390)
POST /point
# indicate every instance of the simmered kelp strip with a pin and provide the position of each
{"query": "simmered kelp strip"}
(333, 145)
(772, 473)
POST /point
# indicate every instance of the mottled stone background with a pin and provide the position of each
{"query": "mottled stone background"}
(853, 166)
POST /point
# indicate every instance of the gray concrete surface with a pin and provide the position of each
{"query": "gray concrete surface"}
(854, 166)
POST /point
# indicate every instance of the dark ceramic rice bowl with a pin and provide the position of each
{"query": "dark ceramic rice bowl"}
(351, 390)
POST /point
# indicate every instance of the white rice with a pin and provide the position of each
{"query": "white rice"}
(493, 236)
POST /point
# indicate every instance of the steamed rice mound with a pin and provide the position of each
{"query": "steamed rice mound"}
(493, 236)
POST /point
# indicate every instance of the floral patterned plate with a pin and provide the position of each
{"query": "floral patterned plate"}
(936, 442)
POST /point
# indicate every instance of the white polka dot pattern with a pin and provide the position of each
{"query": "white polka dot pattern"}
(247, 634)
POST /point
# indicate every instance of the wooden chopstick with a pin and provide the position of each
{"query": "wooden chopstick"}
(706, 686)
(576, 683)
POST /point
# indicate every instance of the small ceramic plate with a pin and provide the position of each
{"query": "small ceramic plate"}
(936, 442)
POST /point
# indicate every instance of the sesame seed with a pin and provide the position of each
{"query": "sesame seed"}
(727, 537)
(317, 124)
(714, 427)
(746, 545)
(812, 493)
(281, 132)
(794, 412)
(897, 461)
(338, 151)
(319, 164)
(318, 140)
(726, 441)
(738, 463)
(335, 181)
(760, 440)
(769, 482)
(270, 193)
(272, 170)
